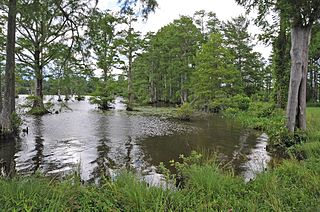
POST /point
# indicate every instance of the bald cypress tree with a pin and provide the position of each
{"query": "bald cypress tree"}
(302, 15)
(9, 89)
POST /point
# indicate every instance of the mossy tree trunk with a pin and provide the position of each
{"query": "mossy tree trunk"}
(296, 108)
(130, 84)
(38, 101)
(281, 62)
(9, 82)
(0, 89)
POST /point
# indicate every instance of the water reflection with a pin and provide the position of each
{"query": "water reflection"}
(7, 152)
(257, 159)
(98, 143)
(38, 157)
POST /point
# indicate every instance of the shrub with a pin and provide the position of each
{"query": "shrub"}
(262, 109)
(237, 102)
(285, 142)
(16, 121)
(313, 104)
(103, 102)
(37, 111)
(185, 111)
(241, 102)
(231, 112)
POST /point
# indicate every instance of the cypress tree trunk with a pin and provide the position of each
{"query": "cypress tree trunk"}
(0, 90)
(296, 108)
(38, 101)
(315, 86)
(9, 89)
(130, 85)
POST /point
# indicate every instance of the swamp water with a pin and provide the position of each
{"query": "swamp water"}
(82, 138)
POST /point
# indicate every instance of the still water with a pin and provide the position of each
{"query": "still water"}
(82, 138)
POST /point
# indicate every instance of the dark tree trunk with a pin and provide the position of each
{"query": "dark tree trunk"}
(105, 75)
(38, 101)
(315, 86)
(184, 91)
(130, 85)
(296, 108)
(0, 89)
(9, 82)
(151, 90)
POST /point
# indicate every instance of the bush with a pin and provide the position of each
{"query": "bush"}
(16, 121)
(237, 102)
(185, 111)
(103, 102)
(220, 104)
(313, 104)
(262, 109)
(231, 112)
(241, 102)
(104, 94)
(284, 142)
(37, 111)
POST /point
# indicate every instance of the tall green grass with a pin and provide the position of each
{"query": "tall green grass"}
(293, 186)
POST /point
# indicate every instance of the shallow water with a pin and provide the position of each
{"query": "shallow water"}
(83, 138)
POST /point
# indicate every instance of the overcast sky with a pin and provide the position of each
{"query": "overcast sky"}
(170, 10)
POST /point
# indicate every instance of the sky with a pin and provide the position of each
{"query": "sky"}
(170, 10)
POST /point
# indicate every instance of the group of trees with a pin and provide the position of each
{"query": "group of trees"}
(202, 60)
(51, 45)
(197, 59)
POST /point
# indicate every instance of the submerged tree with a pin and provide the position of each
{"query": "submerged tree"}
(302, 15)
(6, 119)
(103, 40)
(130, 43)
(41, 26)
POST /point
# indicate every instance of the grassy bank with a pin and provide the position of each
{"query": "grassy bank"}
(293, 185)
(267, 118)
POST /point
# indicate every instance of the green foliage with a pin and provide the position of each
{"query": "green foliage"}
(207, 23)
(103, 39)
(185, 111)
(37, 111)
(249, 63)
(215, 76)
(310, 149)
(282, 141)
(281, 62)
(233, 104)
(16, 121)
(241, 102)
(264, 116)
(104, 95)
(262, 109)
(163, 71)
(313, 104)
(102, 101)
